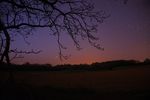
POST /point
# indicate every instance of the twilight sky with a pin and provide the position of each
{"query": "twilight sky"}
(124, 35)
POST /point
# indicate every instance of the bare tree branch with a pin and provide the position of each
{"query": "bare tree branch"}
(76, 18)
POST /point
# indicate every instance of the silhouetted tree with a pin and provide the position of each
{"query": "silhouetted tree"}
(76, 18)
(147, 61)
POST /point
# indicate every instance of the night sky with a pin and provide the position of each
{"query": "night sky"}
(124, 35)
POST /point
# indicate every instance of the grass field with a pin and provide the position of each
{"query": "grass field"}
(122, 84)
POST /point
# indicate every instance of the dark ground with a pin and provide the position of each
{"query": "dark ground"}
(118, 84)
(16, 92)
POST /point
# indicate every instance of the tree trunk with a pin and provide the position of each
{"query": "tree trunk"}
(7, 44)
(5, 53)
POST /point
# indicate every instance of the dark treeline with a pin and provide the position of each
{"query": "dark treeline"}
(109, 65)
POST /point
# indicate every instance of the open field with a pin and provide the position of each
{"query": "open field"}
(122, 84)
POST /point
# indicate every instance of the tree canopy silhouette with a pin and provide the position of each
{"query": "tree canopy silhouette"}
(76, 18)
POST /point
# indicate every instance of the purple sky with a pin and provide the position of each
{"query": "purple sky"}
(124, 35)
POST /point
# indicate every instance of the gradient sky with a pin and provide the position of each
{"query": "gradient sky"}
(124, 35)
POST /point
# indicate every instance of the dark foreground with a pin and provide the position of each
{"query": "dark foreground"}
(48, 93)
(117, 84)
